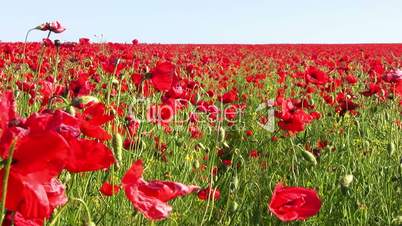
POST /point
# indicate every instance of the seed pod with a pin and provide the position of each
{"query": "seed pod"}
(397, 220)
(309, 157)
(391, 148)
(234, 206)
(85, 100)
(222, 134)
(67, 177)
(117, 143)
(347, 180)
(235, 182)
(200, 146)
(91, 223)
(196, 164)
(115, 81)
(71, 110)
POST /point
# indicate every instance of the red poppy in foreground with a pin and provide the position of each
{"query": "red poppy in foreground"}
(150, 198)
(294, 203)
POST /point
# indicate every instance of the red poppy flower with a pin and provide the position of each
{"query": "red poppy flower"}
(162, 76)
(253, 154)
(229, 97)
(18, 219)
(294, 203)
(91, 120)
(32, 195)
(109, 189)
(88, 155)
(150, 198)
(316, 76)
(8, 118)
(52, 26)
(209, 193)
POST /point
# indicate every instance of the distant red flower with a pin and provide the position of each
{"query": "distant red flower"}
(294, 203)
(249, 132)
(47, 42)
(295, 122)
(195, 132)
(150, 198)
(109, 189)
(351, 79)
(209, 193)
(253, 154)
(316, 76)
(135, 41)
(229, 97)
(84, 41)
(227, 162)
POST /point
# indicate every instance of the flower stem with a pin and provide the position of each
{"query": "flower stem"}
(25, 42)
(5, 181)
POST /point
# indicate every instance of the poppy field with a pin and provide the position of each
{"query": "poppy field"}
(175, 134)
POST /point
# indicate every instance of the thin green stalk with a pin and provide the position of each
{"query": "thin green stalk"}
(42, 51)
(25, 42)
(89, 217)
(5, 181)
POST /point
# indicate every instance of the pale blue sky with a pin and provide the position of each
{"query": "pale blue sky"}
(209, 21)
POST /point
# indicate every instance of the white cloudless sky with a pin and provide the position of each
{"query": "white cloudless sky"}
(208, 21)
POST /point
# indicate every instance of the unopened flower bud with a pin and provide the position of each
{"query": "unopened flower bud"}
(347, 180)
(117, 143)
(391, 148)
(309, 157)
(85, 100)
(222, 134)
(234, 206)
(71, 110)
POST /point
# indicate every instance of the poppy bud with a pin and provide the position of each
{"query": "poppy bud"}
(346, 180)
(222, 134)
(309, 157)
(397, 220)
(67, 177)
(200, 146)
(91, 223)
(236, 182)
(71, 110)
(115, 81)
(234, 185)
(196, 164)
(234, 206)
(143, 144)
(391, 148)
(117, 143)
(85, 100)
(57, 43)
